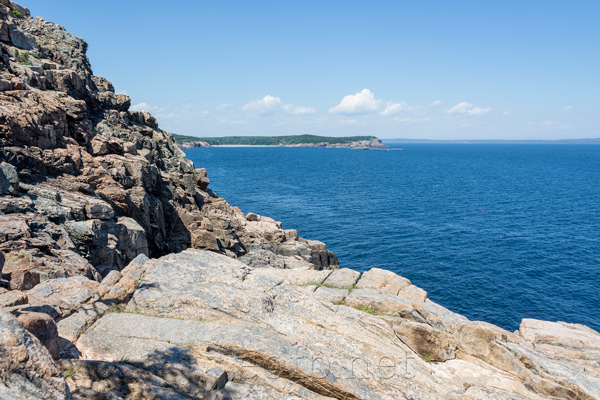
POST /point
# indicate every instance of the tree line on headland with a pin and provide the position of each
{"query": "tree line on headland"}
(270, 140)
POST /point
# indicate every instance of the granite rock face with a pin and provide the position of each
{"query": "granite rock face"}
(272, 334)
(200, 325)
(86, 185)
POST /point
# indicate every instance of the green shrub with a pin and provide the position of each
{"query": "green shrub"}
(23, 58)
(17, 14)
(69, 373)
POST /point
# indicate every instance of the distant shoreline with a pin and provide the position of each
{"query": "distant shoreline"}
(304, 141)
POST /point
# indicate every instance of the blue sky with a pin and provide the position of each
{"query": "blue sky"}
(393, 69)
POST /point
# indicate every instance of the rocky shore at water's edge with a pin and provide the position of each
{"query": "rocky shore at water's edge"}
(123, 276)
(359, 144)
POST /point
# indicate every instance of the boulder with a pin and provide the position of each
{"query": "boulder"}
(9, 179)
(97, 209)
(253, 217)
(43, 327)
(26, 366)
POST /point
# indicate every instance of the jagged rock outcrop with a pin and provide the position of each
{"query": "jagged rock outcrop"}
(193, 145)
(87, 185)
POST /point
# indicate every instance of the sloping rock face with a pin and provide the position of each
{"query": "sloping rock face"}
(269, 333)
(87, 185)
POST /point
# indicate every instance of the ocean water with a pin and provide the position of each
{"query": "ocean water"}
(496, 232)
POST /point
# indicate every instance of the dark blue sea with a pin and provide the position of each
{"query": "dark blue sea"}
(496, 232)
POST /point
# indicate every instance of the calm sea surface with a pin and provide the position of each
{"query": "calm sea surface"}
(496, 232)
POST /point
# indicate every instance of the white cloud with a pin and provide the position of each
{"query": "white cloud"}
(395, 108)
(270, 105)
(410, 120)
(436, 103)
(143, 107)
(224, 106)
(468, 109)
(507, 112)
(567, 108)
(548, 123)
(363, 102)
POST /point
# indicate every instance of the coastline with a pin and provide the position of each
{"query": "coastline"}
(123, 275)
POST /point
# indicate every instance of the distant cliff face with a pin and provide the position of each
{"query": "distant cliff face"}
(86, 185)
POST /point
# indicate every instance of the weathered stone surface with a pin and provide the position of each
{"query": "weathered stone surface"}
(105, 380)
(196, 311)
(72, 327)
(13, 298)
(331, 294)
(26, 367)
(9, 179)
(429, 343)
(97, 209)
(67, 293)
(120, 287)
(343, 277)
(43, 327)
(378, 300)
(381, 279)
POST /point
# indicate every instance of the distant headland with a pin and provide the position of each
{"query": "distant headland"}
(353, 142)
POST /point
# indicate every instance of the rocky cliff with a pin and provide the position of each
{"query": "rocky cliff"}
(86, 185)
(103, 296)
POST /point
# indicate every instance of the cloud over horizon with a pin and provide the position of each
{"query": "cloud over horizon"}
(468, 109)
(270, 105)
(363, 102)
